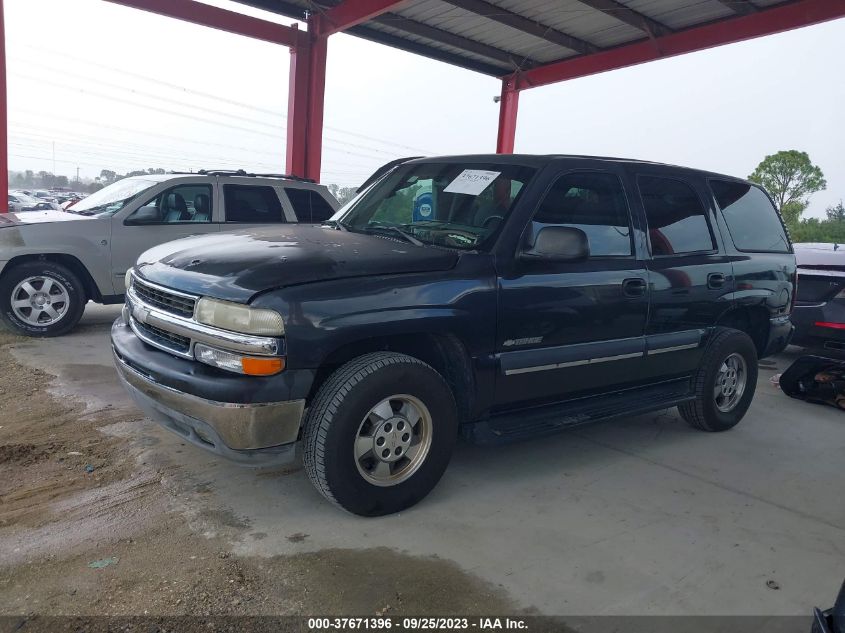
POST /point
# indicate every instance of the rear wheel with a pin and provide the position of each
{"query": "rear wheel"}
(725, 383)
(379, 433)
(41, 299)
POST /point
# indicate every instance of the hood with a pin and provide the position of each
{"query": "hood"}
(236, 266)
(39, 217)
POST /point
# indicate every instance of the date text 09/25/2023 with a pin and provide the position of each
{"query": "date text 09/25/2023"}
(421, 623)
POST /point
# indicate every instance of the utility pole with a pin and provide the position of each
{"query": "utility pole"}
(77, 177)
(54, 158)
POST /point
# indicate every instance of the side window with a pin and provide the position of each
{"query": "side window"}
(595, 203)
(177, 205)
(310, 207)
(252, 204)
(751, 218)
(677, 222)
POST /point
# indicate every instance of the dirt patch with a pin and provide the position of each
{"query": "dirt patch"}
(50, 449)
(75, 493)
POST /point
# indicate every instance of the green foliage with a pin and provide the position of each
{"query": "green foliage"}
(816, 230)
(792, 211)
(836, 213)
(790, 177)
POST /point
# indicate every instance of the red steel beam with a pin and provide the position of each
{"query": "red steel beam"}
(298, 83)
(316, 100)
(764, 22)
(306, 96)
(216, 18)
(508, 106)
(4, 145)
(351, 13)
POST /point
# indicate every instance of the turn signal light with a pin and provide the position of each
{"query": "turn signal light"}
(262, 366)
(230, 361)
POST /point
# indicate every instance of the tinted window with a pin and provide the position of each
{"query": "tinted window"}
(309, 206)
(676, 218)
(177, 205)
(256, 205)
(594, 203)
(751, 217)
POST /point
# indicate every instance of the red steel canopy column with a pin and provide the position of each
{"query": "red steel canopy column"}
(775, 20)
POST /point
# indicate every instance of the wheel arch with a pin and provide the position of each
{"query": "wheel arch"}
(446, 353)
(69, 261)
(753, 320)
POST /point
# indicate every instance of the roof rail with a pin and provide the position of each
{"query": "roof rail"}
(240, 172)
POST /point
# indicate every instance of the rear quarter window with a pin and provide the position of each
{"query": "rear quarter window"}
(310, 207)
(752, 220)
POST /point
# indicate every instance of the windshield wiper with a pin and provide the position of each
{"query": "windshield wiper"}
(394, 229)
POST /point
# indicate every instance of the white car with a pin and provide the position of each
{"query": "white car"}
(53, 262)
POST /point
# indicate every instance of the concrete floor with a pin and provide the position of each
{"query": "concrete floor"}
(637, 516)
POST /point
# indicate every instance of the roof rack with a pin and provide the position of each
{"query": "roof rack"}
(241, 172)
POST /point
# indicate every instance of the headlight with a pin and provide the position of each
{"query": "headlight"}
(239, 318)
(127, 279)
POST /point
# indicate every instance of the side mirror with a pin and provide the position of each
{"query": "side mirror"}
(557, 244)
(144, 215)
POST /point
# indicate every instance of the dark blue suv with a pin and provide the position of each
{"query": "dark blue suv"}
(497, 297)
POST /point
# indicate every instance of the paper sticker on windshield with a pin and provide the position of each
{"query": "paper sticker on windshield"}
(472, 181)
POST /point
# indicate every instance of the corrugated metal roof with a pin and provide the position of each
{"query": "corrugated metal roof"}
(497, 37)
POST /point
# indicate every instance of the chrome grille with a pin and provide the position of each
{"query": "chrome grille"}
(168, 301)
(163, 338)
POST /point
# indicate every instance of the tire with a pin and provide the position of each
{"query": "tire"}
(64, 294)
(348, 472)
(726, 348)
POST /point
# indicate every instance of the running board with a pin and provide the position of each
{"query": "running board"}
(539, 421)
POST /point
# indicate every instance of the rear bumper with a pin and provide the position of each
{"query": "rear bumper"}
(808, 334)
(780, 335)
(251, 433)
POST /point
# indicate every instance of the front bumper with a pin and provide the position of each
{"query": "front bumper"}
(246, 430)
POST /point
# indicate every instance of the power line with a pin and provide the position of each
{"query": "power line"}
(64, 54)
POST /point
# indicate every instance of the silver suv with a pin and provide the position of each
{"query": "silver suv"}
(53, 262)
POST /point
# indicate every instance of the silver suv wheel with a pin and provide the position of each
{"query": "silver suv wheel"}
(393, 440)
(730, 382)
(40, 301)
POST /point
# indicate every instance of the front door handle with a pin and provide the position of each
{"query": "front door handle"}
(634, 287)
(715, 280)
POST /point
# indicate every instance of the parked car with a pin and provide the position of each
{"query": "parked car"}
(819, 314)
(19, 201)
(502, 296)
(52, 262)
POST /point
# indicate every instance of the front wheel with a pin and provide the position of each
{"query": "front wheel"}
(379, 433)
(41, 298)
(725, 383)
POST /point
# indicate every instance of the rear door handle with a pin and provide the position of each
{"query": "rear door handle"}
(634, 287)
(715, 280)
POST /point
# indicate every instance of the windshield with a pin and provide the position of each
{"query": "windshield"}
(111, 199)
(457, 205)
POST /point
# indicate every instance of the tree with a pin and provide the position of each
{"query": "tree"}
(108, 175)
(790, 177)
(836, 213)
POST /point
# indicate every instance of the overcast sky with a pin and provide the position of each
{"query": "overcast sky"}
(116, 88)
